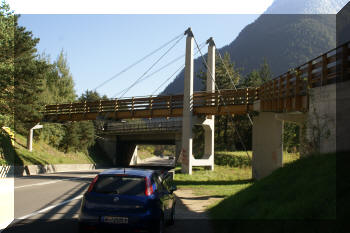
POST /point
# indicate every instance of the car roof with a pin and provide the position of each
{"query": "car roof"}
(128, 171)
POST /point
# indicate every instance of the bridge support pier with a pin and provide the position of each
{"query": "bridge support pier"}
(187, 112)
(124, 152)
(209, 123)
(267, 144)
(134, 157)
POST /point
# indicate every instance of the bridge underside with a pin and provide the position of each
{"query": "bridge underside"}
(148, 113)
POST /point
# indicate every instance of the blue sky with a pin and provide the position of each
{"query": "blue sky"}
(99, 46)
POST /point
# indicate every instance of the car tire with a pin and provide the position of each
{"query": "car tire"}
(172, 216)
(159, 226)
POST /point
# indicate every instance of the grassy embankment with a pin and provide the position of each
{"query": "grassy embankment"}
(301, 189)
(231, 174)
(44, 154)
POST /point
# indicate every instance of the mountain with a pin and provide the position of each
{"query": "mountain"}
(284, 40)
(306, 7)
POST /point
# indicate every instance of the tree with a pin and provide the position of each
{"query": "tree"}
(6, 64)
(58, 88)
(59, 84)
(257, 77)
(70, 141)
(92, 96)
(29, 76)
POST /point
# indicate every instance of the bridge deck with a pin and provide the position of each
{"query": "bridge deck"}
(286, 93)
(204, 103)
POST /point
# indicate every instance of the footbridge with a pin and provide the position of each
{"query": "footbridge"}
(305, 95)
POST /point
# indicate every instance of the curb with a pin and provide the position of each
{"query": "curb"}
(28, 170)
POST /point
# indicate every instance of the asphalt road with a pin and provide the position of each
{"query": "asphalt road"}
(49, 203)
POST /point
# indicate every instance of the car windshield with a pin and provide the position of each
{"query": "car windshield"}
(123, 185)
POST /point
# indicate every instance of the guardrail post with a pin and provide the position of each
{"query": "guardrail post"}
(297, 98)
(280, 100)
(150, 106)
(309, 74)
(324, 70)
(170, 103)
(247, 96)
(345, 62)
(288, 97)
(132, 106)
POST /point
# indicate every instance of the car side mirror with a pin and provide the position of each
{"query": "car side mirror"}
(172, 189)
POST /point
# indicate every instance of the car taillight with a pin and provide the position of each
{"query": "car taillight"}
(149, 188)
(92, 184)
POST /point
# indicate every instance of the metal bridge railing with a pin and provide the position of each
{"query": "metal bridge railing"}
(139, 127)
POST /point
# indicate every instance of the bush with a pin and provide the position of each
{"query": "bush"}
(232, 159)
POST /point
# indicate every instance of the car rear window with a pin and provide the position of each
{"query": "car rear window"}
(123, 185)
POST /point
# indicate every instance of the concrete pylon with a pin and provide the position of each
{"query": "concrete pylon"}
(267, 150)
(187, 107)
(208, 124)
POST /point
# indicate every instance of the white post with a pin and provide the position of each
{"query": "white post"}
(30, 137)
(30, 140)
(209, 122)
(187, 106)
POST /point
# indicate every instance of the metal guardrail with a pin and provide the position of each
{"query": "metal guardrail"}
(140, 127)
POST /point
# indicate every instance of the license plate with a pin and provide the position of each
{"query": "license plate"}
(115, 220)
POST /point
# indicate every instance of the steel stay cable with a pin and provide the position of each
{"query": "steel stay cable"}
(163, 67)
(136, 82)
(231, 79)
(211, 76)
(168, 64)
(182, 66)
(137, 62)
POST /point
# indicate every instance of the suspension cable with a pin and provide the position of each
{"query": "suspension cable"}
(211, 75)
(231, 79)
(138, 80)
(137, 62)
(181, 67)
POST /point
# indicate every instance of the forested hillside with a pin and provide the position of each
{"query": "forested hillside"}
(284, 40)
(29, 81)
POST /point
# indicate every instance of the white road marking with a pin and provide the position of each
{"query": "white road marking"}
(52, 182)
(49, 208)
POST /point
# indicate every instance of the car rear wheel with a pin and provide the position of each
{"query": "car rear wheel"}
(172, 216)
(159, 227)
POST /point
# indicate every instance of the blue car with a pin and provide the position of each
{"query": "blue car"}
(128, 200)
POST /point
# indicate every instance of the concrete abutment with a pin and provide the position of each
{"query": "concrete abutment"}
(317, 131)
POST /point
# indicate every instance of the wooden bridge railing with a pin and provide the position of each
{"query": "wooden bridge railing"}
(143, 107)
(286, 92)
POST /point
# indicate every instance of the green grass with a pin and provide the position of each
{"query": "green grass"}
(223, 181)
(142, 153)
(303, 189)
(242, 159)
(45, 154)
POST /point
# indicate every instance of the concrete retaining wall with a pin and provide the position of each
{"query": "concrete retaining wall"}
(27, 170)
(7, 201)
